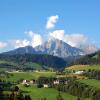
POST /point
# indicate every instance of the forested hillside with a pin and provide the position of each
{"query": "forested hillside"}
(88, 59)
(22, 59)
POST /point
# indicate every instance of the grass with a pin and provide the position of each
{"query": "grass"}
(49, 93)
(16, 64)
(33, 65)
(28, 75)
(9, 63)
(91, 82)
(83, 67)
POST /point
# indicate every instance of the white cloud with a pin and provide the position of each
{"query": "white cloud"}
(36, 38)
(58, 34)
(21, 43)
(74, 40)
(51, 22)
(3, 45)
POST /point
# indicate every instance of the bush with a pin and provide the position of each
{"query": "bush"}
(39, 85)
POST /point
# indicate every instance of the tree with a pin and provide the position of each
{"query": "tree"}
(14, 88)
(78, 98)
(19, 96)
(27, 97)
(59, 97)
(12, 96)
(44, 98)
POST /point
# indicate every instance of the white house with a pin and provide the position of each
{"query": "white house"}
(79, 72)
(56, 82)
(45, 85)
(24, 81)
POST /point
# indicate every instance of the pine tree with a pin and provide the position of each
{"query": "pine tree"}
(27, 97)
(59, 97)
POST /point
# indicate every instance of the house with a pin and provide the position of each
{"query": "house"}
(30, 82)
(79, 72)
(56, 82)
(24, 81)
(45, 85)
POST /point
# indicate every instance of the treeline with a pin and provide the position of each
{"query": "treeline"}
(47, 60)
(88, 59)
(14, 96)
(19, 96)
(92, 74)
(79, 89)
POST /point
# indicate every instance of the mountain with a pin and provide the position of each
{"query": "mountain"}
(58, 48)
(22, 50)
(53, 47)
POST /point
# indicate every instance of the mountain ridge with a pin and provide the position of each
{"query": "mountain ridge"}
(53, 47)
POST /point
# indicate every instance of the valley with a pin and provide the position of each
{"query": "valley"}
(46, 77)
(36, 93)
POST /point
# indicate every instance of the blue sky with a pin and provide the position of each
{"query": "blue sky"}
(75, 17)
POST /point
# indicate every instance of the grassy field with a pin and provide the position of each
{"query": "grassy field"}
(16, 64)
(83, 67)
(28, 75)
(33, 65)
(49, 93)
(91, 82)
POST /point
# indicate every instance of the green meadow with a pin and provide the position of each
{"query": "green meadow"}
(91, 82)
(49, 93)
(15, 76)
(83, 67)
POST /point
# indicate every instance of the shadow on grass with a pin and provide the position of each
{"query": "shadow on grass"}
(25, 91)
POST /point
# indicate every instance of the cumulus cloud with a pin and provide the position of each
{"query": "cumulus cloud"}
(58, 34)
(21, 43)
(51, 22)
(36, 38)
(3, 45)
(74, 40)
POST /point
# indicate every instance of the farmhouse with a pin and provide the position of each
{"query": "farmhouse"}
(45, 85)
(28, 81)
(56, 82)
(79, 72)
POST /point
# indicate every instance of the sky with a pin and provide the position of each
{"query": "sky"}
(31, 22)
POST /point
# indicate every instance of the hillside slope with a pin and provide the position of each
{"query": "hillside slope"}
(22, 60)
(93, 58)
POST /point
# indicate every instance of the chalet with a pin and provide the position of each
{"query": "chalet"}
(45, 85)
(56, 82)
(24, 81)
(79, 72)
(30, 82)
